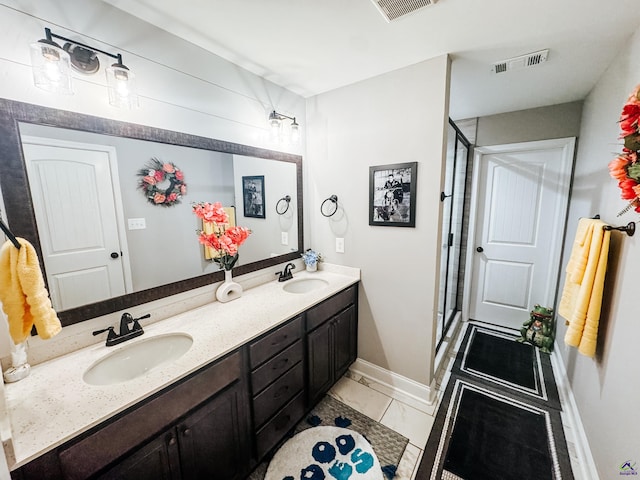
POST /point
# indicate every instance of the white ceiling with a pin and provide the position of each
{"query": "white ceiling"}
(313, 46)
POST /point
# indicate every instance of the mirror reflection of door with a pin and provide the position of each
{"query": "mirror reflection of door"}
(72, 186)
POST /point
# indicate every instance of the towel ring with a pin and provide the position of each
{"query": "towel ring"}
(332, 208)
(279, 208)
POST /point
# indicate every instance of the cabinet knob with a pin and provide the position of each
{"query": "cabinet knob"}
(280, 364)
(281, 339)
(186, 432)
(281, 391)
(479, 249)
(172, 441)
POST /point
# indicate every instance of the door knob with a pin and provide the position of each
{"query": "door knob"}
(479, 249)
(114, 255)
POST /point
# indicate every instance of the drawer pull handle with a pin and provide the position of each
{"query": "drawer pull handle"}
(282, 339)
(281, 391)
(283, 422)
(280, 363)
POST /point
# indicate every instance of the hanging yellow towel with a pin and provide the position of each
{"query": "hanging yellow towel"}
(24, 297)
(581, 299)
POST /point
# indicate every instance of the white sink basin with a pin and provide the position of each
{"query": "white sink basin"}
(304, 285)
(133, 361)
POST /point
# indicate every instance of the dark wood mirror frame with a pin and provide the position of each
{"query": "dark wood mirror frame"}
(19, 204)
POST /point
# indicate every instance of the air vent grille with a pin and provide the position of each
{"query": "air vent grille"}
(394, 9)
(523, 61)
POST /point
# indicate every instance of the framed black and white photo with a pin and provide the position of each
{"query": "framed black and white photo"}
(253, 194)
(392, 195)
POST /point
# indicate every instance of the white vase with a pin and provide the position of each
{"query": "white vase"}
(229, 290)
(312, 267)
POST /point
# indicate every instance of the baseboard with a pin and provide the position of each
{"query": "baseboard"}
(400, 387)
(586, 463)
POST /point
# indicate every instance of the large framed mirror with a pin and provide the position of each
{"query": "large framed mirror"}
(71, 186)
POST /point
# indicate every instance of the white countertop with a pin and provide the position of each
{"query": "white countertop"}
(54, 404)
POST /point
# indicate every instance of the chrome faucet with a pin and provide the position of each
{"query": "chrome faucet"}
(286, 273)
(125, 333)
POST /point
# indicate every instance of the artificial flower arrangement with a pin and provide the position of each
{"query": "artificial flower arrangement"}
(311, 257)
(224, 240)
(153, 178)
(625, 167)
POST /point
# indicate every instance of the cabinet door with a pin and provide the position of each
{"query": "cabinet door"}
(320, 362)
(158, 460)
(345, 342)
(214, 440)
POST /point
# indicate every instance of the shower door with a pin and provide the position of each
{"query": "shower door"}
(453, 230)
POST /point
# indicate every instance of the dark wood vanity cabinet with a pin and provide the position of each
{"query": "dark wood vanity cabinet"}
(206, 444)
(331, 341)
(222, 420)
(277, 381)
(198, 428)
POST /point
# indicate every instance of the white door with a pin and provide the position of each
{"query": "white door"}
(73, 196)
(521, 203)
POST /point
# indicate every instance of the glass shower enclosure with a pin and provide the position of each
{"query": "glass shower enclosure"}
(453, 252)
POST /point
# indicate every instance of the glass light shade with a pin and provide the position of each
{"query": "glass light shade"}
(51, 67)
(122, 86)
(295, 132)
(274, 127)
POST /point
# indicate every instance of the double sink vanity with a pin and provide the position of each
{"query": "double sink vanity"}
(208, 393)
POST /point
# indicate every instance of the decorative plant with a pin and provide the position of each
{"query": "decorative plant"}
(153, 183)
(625, 167)
(311, 257)
(224, 240)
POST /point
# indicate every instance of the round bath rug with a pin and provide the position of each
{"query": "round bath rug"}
(325, 453)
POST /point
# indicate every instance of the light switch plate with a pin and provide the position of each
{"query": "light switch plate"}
(340, 245)
(137, 223)
(284, 238)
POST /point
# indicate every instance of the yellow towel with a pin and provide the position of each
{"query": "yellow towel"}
(24, 297)
(581, 299)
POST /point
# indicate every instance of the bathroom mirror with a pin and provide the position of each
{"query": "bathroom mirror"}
(155, 247)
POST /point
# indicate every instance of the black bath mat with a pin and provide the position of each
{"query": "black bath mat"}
(493, 355)
(482, 434)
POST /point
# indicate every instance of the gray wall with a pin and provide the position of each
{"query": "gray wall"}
(555, 121)
(606, 387)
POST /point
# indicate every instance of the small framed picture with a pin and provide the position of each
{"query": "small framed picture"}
(392, 195)
(253, 195)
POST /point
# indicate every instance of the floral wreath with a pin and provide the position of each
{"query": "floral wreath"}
(153, 178)
(625, 167)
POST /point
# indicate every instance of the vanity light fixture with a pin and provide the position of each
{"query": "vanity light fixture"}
(275, 126)
(52, 68)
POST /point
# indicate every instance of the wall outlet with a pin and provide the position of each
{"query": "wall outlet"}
(284, 238)
(340, 245)
(137, 223)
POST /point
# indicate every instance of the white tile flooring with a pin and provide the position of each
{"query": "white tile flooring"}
(410, 419)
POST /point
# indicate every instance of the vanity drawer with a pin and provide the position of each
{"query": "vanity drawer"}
(277, 394)
(276, 341)
(327, 309)
(275, 430)
(267, 373)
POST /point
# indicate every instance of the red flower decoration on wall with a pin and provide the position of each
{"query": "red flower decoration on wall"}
(625, 167)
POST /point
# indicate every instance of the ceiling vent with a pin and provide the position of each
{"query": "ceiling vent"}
(394, 9)
(523, 61)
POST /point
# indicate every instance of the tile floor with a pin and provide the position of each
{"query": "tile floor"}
(411, 419)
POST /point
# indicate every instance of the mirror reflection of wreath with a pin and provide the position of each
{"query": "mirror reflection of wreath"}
(162, 183)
